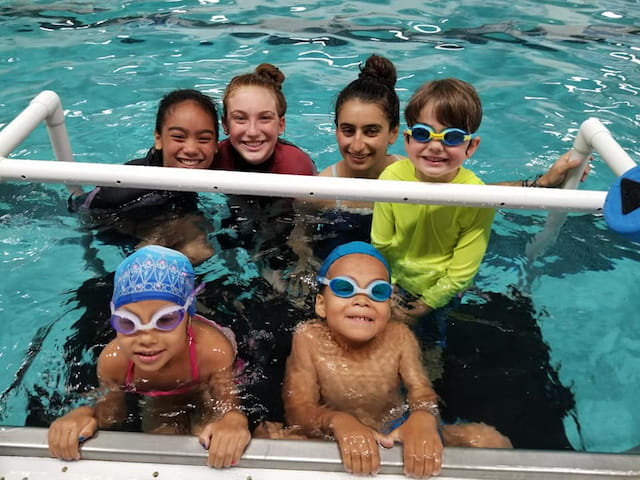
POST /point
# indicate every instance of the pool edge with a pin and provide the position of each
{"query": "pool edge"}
(319, 456)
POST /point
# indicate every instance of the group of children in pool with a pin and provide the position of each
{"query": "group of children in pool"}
(345, 377)
(347, 371)
(367, 117)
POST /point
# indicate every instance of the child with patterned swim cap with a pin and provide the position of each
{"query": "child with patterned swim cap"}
(178, 362)
(355, 375)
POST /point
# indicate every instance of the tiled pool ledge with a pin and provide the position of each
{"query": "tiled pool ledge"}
(115, 455)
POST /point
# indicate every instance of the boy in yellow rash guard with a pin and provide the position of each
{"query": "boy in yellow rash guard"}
(435, 251)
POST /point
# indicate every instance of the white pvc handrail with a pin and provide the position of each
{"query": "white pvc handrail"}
(300, 186)
(46, 107)
(592, 135)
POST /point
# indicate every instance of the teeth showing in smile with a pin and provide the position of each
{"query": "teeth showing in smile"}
(189, 162)
(360, 319)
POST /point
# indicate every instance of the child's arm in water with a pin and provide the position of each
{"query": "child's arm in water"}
(422, 445)
(225, 429)
(302, 402)
(69, 431)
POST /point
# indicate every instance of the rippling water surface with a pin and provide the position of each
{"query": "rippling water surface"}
(541, 69)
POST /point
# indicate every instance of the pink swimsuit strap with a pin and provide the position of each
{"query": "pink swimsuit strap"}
(226, 331)
(195, 374)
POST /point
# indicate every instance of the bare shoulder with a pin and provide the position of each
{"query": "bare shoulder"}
(327, 172)
(215, 347)
(398, 331)
(112, 364)
(310, 330)
(310, 337)
(398, 338)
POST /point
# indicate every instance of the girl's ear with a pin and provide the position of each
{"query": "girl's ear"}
(225, 127)
(281, 125)
(157, 141)
(321, 311)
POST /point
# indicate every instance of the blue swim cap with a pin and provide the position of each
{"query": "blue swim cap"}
(154, 273)
(349, 248)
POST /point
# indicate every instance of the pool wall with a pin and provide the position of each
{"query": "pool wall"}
(24, 454)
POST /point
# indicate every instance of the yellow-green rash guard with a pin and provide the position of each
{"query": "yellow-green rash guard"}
(434, 250)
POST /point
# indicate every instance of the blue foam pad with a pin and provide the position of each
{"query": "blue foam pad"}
(622, 206)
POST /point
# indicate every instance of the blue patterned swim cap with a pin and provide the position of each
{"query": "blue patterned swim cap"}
(348, 249)
(154, 273)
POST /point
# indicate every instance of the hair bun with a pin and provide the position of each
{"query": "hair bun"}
(273, 73)
(379, 69)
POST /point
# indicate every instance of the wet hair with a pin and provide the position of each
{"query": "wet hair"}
(375, 84)
(265, 75)
(455, 104)
(178, 96)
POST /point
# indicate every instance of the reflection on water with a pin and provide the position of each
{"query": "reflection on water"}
(495, 368)
(525, 70)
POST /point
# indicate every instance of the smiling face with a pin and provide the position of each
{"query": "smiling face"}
(357, 320)
(434, 161)
(363, 134)
(151, 350)
(188, 137)
(252, 122)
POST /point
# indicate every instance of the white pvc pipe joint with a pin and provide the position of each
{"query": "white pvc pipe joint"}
(593, 135)
(45, 107)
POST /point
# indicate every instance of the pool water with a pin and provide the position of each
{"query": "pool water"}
(541, 68)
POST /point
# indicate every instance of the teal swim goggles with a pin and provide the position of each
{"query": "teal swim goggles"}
(345, 287)
(451, 137)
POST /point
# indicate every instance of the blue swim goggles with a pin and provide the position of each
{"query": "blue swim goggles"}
(452, 137)
(345, 287)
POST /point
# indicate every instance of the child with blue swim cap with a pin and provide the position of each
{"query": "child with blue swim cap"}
(348, 371)
(179, 362)
(154, 273)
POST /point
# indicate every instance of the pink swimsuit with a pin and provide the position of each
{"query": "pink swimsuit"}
(195, 374)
